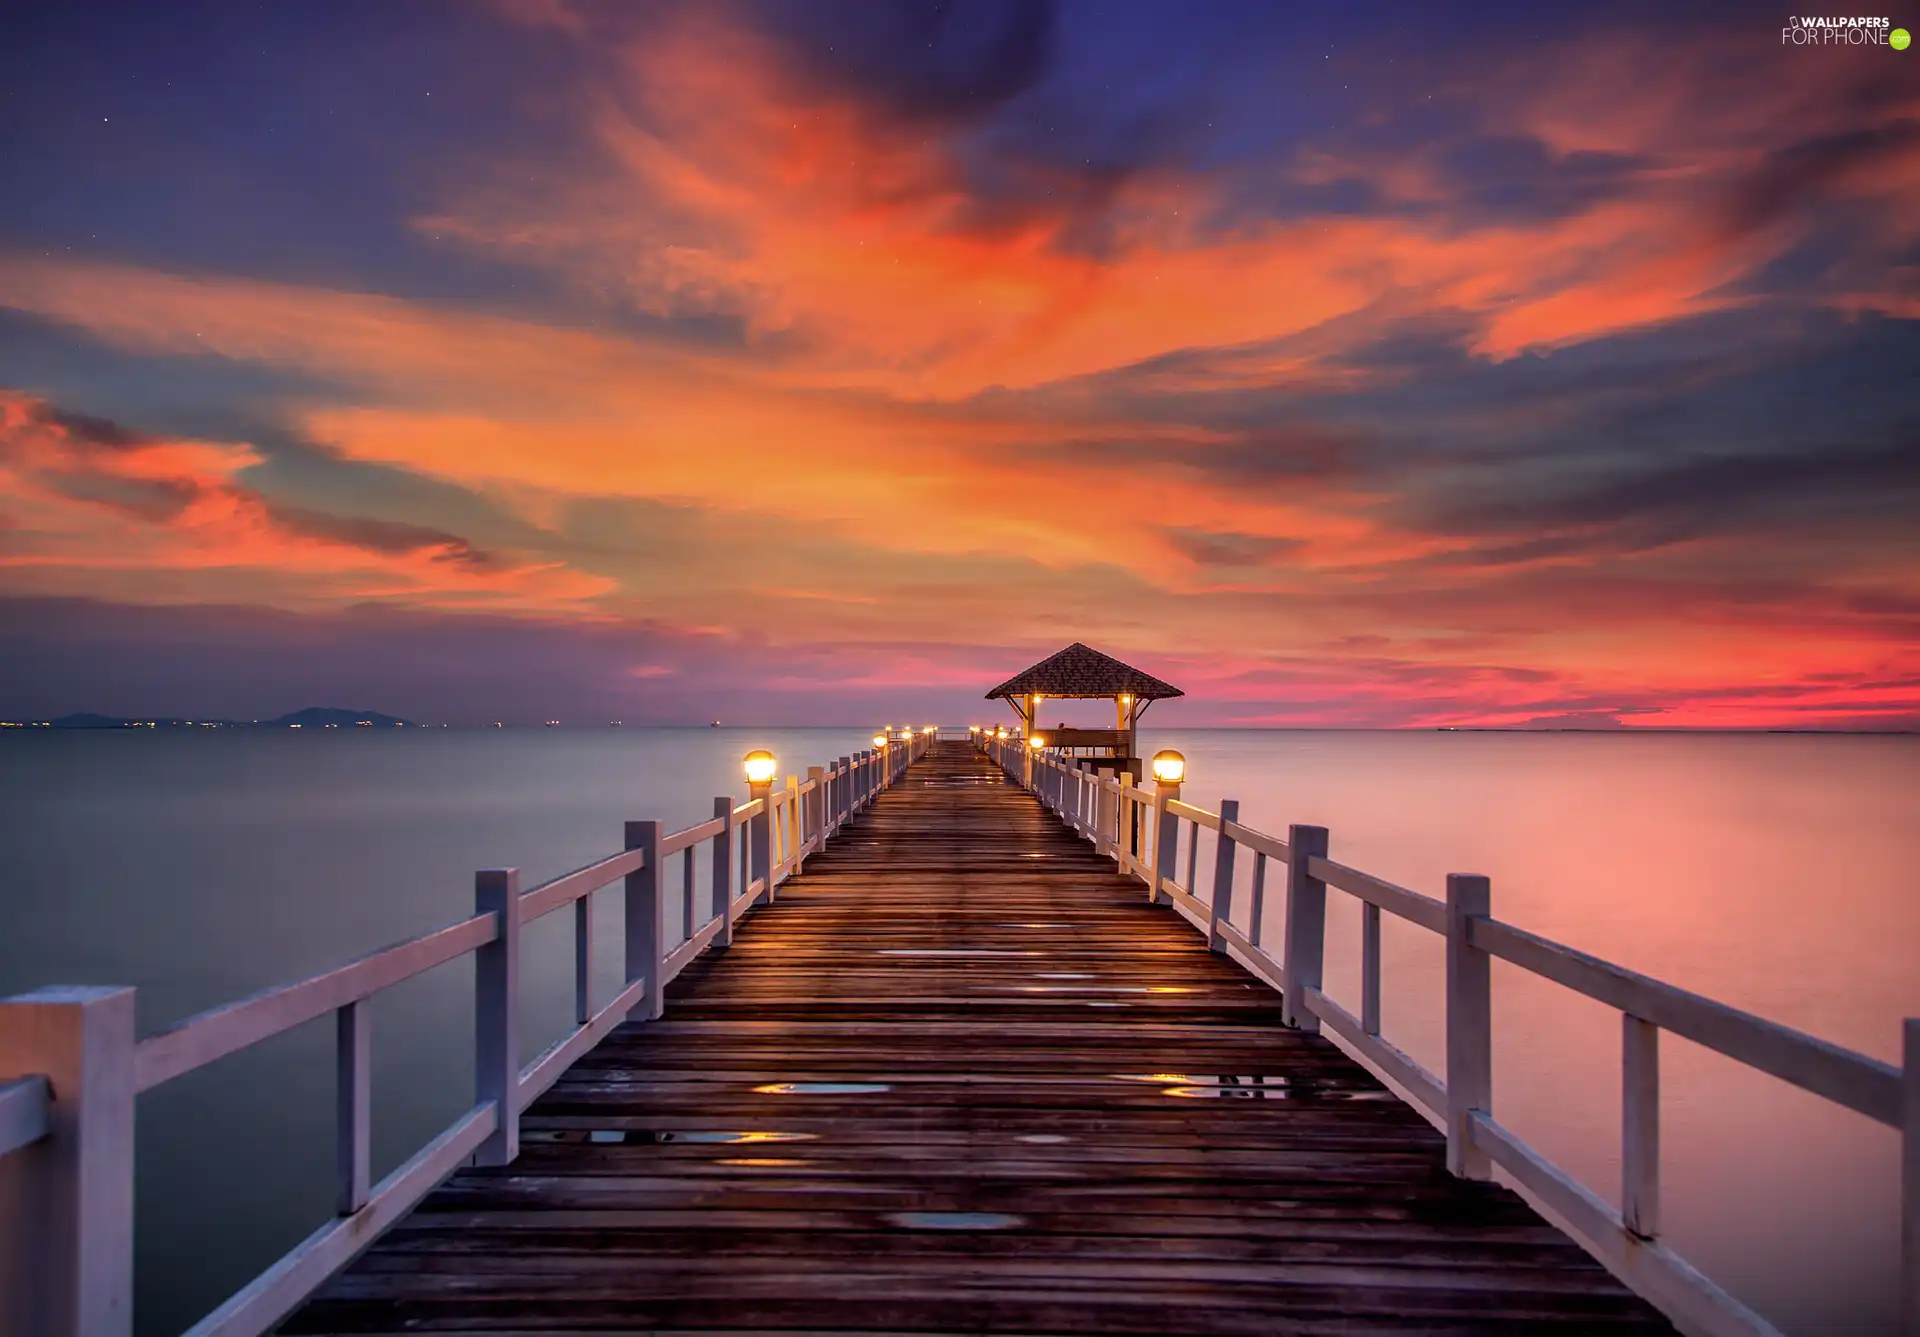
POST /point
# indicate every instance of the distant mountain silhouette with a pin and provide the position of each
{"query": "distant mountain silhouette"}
(313, 717)
(319, 717)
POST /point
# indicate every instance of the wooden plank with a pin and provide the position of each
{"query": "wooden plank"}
(1860, 1083)
(217, 1032)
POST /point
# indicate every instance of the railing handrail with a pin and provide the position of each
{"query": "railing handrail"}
(1116, 815)
(87, 1270)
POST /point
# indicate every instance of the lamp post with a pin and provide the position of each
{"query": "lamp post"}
(1169, 769)
(760, 767)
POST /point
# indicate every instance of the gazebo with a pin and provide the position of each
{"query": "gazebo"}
(1080, 672)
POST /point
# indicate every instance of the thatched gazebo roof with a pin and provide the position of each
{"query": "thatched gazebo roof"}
(1081, 671)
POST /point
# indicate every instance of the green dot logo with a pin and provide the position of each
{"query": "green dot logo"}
(1898, 39)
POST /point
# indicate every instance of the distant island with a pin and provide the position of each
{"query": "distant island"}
(313, 717)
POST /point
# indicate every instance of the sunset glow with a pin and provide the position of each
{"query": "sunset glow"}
(668, 362)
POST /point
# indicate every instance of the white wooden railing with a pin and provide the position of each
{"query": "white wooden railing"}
(1139, 828)
(70, 1066)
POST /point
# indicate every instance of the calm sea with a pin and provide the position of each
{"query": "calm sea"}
(1777, 873)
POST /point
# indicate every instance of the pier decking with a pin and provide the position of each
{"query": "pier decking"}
(962, 1077)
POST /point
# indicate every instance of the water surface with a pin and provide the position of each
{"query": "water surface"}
(1775, 873)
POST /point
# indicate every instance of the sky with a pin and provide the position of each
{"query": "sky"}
(1372, 365)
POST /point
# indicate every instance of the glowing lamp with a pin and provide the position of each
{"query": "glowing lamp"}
(760, 766)
(879, 740)
(1037, 742)
(928, 729)
(1169, 767)
(973, 728)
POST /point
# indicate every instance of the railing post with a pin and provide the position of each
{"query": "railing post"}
(583, 960)
(70, 1224)
(815, 827)
(353, 1104)
(1469, 1024)
(1257, 908)
(1306, 942)
(1640, 1125)
(843, 792)
(689, 913)
(496, 1016)
(722, 894)
(791, 833)
(643, 911)
(1910, 1179)
(1166, 840)
(760, 842)
(1369, 967)
(1104, 809)
(1221, 910)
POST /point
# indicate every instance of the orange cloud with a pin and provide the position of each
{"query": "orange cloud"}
(88, 499)
(736, 185)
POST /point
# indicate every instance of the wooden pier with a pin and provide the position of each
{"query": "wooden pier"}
(961, 1077)
(949, 1043)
